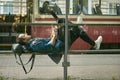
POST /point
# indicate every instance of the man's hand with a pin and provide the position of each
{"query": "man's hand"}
(54, 31)
(54, 35)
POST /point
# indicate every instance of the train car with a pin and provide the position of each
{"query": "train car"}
(11, 12)
(98, 17)
(99, 23)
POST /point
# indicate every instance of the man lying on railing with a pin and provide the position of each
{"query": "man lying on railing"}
(53, 45)
(56, 44)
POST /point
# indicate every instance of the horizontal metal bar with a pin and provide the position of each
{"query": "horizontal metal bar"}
(70, 24)
(5, 51)
(103, 51)
(5, 44)
(22, 24)
(96, 51)
(6, 34)
(12, 1)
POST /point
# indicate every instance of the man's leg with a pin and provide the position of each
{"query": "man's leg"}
(95, 44)
(83, 35)
(74, 34)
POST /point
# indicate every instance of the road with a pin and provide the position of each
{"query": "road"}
(82, 67)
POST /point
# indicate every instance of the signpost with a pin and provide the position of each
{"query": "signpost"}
(66, 63)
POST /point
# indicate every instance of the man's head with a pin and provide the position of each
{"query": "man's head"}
(23, 39)
(45, 4)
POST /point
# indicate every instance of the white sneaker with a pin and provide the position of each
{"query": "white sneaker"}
(98, 42)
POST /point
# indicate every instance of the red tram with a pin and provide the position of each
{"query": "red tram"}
(103, 19)
(107, 26)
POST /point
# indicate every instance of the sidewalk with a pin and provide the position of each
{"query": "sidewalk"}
(45, 69)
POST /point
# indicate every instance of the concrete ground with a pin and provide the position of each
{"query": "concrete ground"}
(82, 67)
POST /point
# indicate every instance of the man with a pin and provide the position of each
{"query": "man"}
(74, 33)
(44, 8)
(55, 44)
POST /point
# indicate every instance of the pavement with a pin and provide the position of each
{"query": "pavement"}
(82, 67)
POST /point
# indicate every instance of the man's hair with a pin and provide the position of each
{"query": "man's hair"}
(20, 40)
(46, 2)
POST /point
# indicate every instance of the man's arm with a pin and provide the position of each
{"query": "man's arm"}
(53, 36)
(53, 40)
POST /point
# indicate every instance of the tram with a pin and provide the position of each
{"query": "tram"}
(101, 22)
(98, 17)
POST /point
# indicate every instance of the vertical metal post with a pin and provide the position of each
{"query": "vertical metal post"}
(65, 63)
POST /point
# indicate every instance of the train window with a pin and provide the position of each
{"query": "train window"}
(80, 6)
(58, 6)
(13, 7)
(105, 7)
(118, 9)
(112, 9)
(91, 7)
(55, 5)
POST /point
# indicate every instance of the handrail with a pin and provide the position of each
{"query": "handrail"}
(102, 51)
(6, 44)
(69, 24)
(5, 51)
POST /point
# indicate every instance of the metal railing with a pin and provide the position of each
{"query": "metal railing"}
(66, 63)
